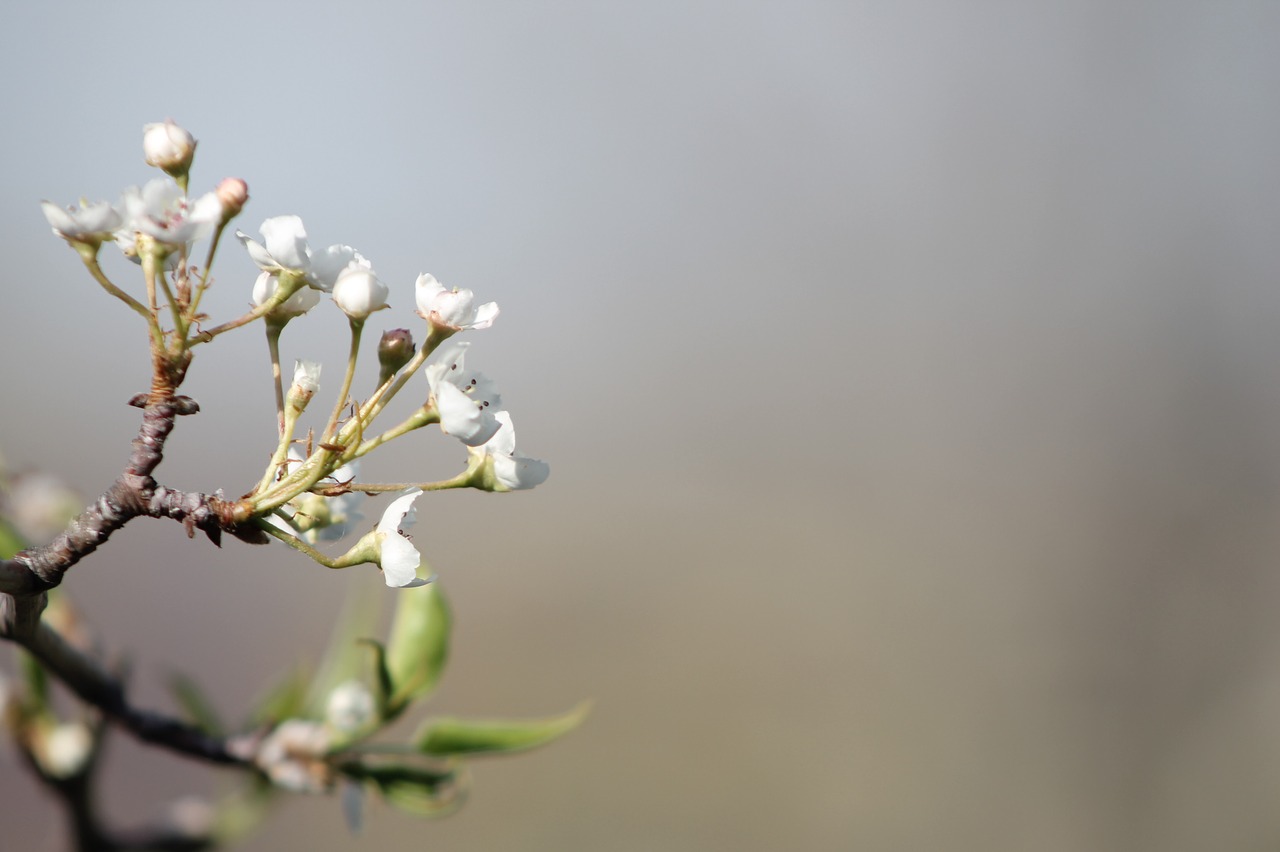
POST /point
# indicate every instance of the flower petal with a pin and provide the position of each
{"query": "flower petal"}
(462, 418)
(517, 472)
(286, 241)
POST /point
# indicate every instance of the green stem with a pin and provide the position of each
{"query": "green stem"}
(357, 329)
(179, 327)
(204, 274)
(91, 262)
(462, 480)
(422, 417)
(388, 390)
(286, 286)
(287, 423)
(299, 545)
(273, 346)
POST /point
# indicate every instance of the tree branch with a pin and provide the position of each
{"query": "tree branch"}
(25, 578)
(95, 686)
(134, 493)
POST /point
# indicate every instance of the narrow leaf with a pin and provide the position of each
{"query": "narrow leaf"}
(285, 700)
(195, 704)
(418, 790)
(382, 676)
(10, 541)
(442, 737)
(341, 661)
(419, 644)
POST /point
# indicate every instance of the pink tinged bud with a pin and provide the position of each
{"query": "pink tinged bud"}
(395, 349)
(233, 193)
(168, 147)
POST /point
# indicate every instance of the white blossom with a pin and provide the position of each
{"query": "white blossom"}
(465, 400)
(296, 305)
(454, 309)
(292, 756)
(397, 556)
(84, 222)
(511, 472)
(162, 211)
(285, 249)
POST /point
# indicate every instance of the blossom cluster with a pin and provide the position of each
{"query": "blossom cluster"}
(307, 499)
(309, 495)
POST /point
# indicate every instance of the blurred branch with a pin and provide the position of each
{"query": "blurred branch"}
(25, 578)
(95, 686)
(75, 793)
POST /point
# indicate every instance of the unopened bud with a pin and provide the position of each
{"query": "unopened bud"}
(233, 193)
(65, 749)
(350, 707)
(168, 147)
(395, 349)
(306, 381)
(358, 292)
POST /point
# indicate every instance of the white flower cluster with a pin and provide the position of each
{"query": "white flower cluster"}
(315, 498)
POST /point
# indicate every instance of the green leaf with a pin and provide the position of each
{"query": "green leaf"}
(382, 676)
(418, 790)
(442, 737)
(10, 541)
(285, 700)
(341, 661)
(419, 644)
(195, 704)
(36, 697)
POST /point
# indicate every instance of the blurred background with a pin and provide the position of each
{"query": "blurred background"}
(907, 372)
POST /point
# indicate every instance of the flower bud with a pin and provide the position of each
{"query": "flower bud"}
(395, 349)
(234, 194)
(306, 381)
(168, 147)
(65, 749)
(359, 292)
(39, 505)
(350, 707)
(298, 304)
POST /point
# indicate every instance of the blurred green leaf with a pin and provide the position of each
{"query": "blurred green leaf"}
(286, 700)
(442, 737)
(341, 661)
(382, 677)
(419, 644)
(418, 790)
(195, 704)
(10, 541)
(36, 697)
